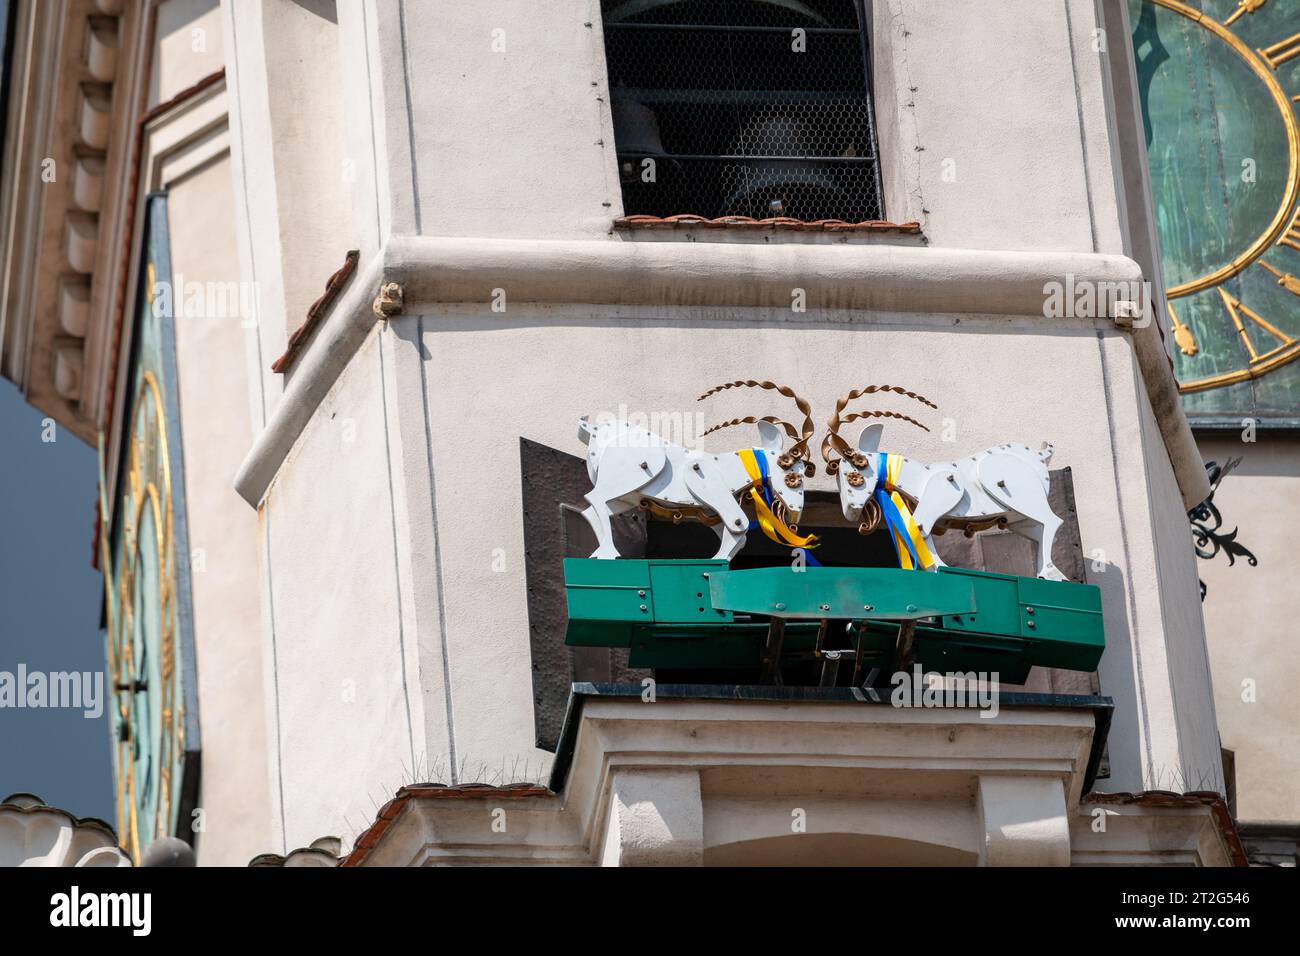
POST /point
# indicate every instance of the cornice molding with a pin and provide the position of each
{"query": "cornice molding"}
(881, 280)
(35, 834)
(622, 745)
(75, 73)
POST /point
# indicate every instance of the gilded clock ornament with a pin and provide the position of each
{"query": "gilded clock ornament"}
(1220, 85)
(143, 554)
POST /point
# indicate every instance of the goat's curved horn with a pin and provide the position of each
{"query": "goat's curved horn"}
(835, 442)
(854, 416)
(799, 450)
(789, 429)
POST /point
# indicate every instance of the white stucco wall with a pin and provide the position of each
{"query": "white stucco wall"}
(331, 533)
(234, 792)
(517, 141)
(995, 151)
(379, 565)
(1250, 615)
(188, 45)
(345, 708)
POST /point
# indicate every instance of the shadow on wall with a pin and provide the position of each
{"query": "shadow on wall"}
(836, 849)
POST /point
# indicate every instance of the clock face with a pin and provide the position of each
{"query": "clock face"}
(1220, 85)
(149, 640)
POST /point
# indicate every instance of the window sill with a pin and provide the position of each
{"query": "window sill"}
(689, 221)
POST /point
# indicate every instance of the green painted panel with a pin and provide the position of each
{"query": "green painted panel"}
(630, 573)
(608, 590)
(682, 592)
(883, 593)
(731, 647)
(939, 651)
(1064, 619)
(598, 634)
(610, 604)
(984, 618)
(996, 603)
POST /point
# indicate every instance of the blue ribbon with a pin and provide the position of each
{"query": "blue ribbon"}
(893, 520)
(766, 489)
(761, 460)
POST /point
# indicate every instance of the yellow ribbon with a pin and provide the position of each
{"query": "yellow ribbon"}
(927, 560)
(768, 522)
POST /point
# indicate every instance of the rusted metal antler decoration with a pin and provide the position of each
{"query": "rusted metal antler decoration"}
(801, 436)
(834, 442)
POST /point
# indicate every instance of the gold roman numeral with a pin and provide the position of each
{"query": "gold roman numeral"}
(1292, 235)
(1184, 337)
(1236, 309)
(1281, 51)
(1285, 279)
(1243, 6)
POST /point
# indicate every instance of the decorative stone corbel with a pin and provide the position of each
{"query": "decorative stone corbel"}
(656, 818)
(1025, 821)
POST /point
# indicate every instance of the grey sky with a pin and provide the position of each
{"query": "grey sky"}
(49, 610)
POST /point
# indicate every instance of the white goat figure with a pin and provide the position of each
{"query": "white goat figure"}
(1004, 486)
(631, 467)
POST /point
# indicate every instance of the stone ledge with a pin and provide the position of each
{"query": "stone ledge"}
(722, 779)
(432, 272)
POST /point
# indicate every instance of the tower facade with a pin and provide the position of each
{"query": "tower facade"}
(408, 247)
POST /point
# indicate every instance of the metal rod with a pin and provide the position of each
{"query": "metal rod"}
(733, 158)
(830, 668)
(772, 652)
(906, 636)
(710, 97)
(727, 28)
(864, 9)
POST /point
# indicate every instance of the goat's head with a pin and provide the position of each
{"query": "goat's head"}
(855, 468)
(788, 467)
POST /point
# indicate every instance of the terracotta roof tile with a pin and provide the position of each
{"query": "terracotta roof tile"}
(779, 223)
(433, 791)
(333, 286)
(1196, 798)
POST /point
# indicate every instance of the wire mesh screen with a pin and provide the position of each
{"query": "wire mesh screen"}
(742, 107)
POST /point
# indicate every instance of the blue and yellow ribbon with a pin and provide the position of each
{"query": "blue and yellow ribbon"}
(760, 491)
(903, 531)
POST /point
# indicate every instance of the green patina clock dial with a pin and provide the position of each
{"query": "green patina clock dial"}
(145, 560)
(1220, 86)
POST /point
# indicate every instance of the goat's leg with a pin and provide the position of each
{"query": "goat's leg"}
(939, 497)
(598, 514)
(619, 475)
(732, 529)
(1041, 526)
(730, 543)
(934, 553)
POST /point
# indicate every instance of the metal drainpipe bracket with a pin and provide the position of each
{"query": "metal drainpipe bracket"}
(389, 301)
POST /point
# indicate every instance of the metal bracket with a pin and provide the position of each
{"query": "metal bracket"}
(771, 673)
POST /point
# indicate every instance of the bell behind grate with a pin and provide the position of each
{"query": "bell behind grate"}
(773, 186)
(636, 135)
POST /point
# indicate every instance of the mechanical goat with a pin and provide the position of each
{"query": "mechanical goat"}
(1003, 486)
(631, 467)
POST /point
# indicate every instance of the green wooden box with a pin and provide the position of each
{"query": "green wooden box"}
(683, 614)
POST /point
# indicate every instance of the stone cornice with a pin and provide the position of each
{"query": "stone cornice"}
(75, 80)
(878, 279)
(879, 761)
(34, 834)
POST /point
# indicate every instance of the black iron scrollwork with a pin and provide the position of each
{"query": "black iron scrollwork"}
(1206, 522)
